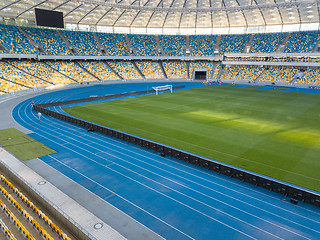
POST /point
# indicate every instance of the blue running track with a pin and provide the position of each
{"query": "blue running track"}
(175, 199)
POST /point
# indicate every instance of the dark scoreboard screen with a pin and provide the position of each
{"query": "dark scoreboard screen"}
(47, 18)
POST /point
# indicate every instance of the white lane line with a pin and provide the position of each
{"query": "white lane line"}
(118, 142)
(136, 181)
(163, 170)
(97, 143)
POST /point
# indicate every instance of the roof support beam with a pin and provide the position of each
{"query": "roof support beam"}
(205, 9)
(85, 15)
(28, 9)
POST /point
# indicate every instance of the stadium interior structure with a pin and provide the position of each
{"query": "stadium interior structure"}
(254, 42)
(47, 57)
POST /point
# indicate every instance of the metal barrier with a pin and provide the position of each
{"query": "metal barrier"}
(288, 190)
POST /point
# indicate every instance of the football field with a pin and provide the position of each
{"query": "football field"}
(275, 133)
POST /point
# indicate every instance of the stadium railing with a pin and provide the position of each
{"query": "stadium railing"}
(287, 189)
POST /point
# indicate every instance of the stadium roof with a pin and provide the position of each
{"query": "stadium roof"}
(175, 16)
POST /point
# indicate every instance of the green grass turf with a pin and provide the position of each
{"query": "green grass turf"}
(23, 146)
(275, 133)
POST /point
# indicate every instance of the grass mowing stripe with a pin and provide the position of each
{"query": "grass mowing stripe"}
(23, 146)
(275, 133)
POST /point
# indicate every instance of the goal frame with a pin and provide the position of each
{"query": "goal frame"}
(162, 88)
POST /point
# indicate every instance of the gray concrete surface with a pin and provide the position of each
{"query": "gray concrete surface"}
(115, 220)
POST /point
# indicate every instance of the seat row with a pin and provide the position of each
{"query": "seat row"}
(41, 215)
(16, 222)
(6, 231)
(26, 215)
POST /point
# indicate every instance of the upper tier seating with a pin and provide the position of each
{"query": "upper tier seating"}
(267, 43)
(14, 40)
(302, 41)
(173, 45)
(201, 64)
(175, 69)
(125, 69)
(49, 40)
(42, 71)
(246, 73)
(99, 69)
(233, 43)
(72, 70)
(83, 42)
(279, 74)
(150, 69)
(11, 73)
(115, 44)
(202, 45)
(145, 45)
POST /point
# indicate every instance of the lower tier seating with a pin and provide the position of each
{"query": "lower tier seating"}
(125, 69)
(10, 87)
(312, 77)
(17, 75)
(41, 70)
(150, 69)
(72, 70)
(175, 69)
(13, 74)
(216, 71)
(201, 65)
(99, 69)
(279, 74)
(246, 73)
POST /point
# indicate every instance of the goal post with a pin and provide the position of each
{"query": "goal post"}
(162, 88)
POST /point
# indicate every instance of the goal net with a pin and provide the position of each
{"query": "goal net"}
(162, 88)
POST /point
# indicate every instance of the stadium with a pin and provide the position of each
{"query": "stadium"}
(158, 119)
